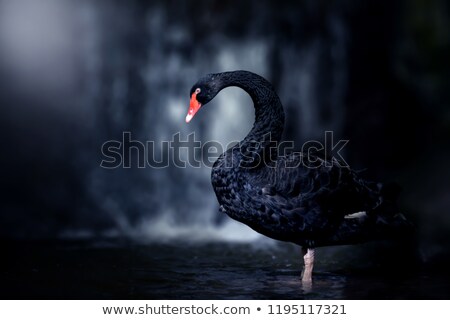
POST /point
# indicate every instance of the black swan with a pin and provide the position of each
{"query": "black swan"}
(298, 198)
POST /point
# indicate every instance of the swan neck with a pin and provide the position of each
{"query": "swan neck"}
(269, 114)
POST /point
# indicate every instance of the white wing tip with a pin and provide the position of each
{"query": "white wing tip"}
(356, 215)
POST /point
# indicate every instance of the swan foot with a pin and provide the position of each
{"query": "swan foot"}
(308, 258)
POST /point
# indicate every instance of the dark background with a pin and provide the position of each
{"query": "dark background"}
(74, 74)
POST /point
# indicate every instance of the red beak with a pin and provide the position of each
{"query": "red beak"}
(194, 106)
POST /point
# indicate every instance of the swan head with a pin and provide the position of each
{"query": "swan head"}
(201, 93)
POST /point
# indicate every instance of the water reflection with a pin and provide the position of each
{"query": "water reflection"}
(124, 270)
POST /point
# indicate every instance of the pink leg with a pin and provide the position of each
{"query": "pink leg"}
(308, 257)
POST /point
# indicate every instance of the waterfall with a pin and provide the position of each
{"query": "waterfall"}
(128, 67)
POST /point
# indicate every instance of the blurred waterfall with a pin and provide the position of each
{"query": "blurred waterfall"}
(128, 67)
(75, 74)
(149, 62)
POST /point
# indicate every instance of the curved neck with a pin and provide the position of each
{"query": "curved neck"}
(269, 114)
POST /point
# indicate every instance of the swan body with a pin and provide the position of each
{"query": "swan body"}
(298, 198)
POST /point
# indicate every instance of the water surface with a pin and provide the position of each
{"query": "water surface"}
(123, 269)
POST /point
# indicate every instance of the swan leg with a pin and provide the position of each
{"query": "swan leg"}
(308, 258)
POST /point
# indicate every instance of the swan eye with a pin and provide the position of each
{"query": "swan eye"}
(197, 91)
